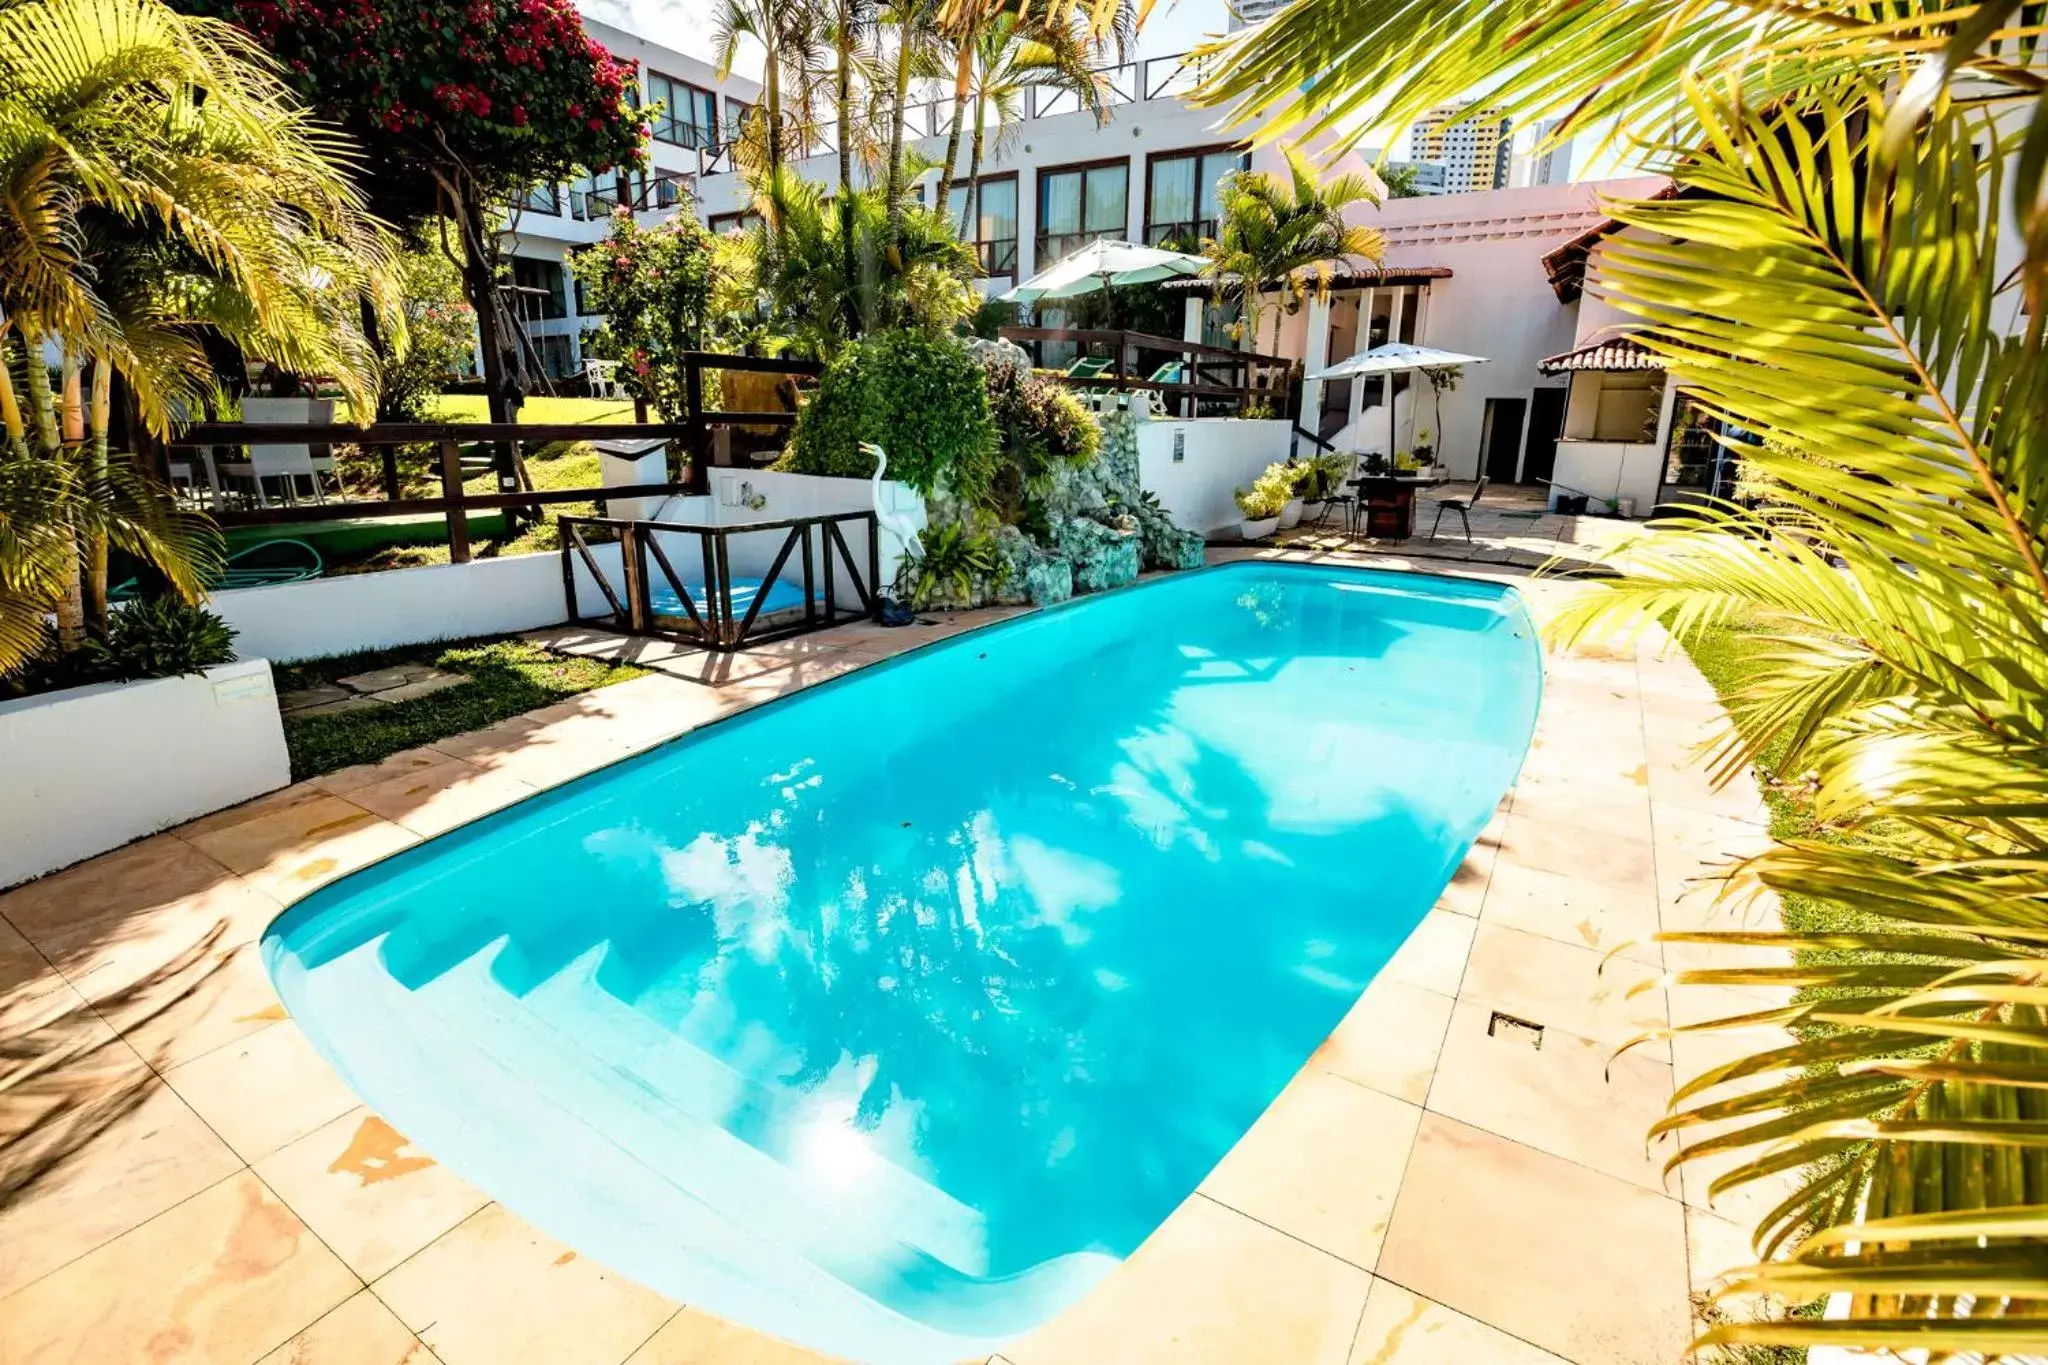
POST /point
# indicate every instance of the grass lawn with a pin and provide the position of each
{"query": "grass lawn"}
(507, 677)
(470, 407)
(560, 465)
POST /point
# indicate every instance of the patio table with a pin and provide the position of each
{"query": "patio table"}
(1388, 502)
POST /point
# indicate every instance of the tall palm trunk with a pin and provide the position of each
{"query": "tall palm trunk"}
(70, 605)
(95, 577)
(963, 86)
(898, 100)
(842, 95)
(970, 211)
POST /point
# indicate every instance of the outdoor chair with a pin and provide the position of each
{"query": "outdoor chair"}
(1344, 495)
(1462, 506)
(1088, 367)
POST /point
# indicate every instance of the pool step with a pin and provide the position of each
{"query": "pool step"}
(853, 1178)
(703, 1160)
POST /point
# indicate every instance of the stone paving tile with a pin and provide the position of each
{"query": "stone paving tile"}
(1557, 985)
(149, 1158)
(453, 792)
(1210, 1287)
(263, 1092)
(1433, 955)
(367, 1192)
(289, 852)
(1323, 1164)
(494, 1291)
(1561, 1094)
(1400, 1328)
(1575, 910)
(692, 1337)
(1389, 1040)
(227, 1276)
(1540, 1248)
(360, 1332)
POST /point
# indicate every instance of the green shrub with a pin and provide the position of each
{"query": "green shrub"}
(921, 398)
(159, 638)
(1039, 423)
(944, 571)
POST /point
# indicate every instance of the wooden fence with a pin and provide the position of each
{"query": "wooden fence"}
(695, 434)
(1212, 376)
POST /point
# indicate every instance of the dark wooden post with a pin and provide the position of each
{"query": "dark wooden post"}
(696, 441)
(390, 458)
(451, 489)
(633, 563)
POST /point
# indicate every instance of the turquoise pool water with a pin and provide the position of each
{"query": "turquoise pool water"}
(890, 1017)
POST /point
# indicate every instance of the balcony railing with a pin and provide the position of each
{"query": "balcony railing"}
(1057, 246)
(1182, 236)
(996, 256)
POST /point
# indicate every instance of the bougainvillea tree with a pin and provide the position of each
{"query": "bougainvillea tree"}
(459, 107)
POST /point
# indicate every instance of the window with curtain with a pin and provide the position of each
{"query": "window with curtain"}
(689, 115)
(1181, 203)
(1078, 206)
(993, 232)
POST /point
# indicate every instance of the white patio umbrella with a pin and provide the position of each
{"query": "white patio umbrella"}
(1394, 358)
(1104, 264)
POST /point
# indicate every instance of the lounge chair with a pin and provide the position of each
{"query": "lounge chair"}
(1088, 367)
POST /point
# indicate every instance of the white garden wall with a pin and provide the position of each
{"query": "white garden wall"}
(351, 612)
(90, 768)
(1194, 467)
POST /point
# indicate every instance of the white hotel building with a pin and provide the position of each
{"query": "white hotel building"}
(1475, 272)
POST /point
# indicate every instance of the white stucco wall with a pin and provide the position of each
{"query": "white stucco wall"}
(1218, 455)
(90, 768)
(352, 612)
(1497, 302)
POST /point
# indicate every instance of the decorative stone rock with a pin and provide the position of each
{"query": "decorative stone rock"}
(1030, 572)
(1104, 556)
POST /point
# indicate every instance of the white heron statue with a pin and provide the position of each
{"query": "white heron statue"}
(887, 515)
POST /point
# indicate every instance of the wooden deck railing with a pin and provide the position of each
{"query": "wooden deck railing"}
(1231, 379)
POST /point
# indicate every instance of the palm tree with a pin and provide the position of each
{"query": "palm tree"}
(915, 55)
(997, 58)
(790, 37)
(1284, 240)
(155, 181)
(1835, 278)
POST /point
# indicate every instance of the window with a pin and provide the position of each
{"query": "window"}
(537, 289)
(1078, 205)
(1181, 193)
(689, 116)
(557, 356)
(582, 299)
(744, 220)
(542, 199)
(592, 196)
(736, 112)
(993, 231)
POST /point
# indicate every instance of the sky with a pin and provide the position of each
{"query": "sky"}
(1173, 26)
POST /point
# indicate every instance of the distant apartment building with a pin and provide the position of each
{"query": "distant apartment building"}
(1473, 145)
(1244, 13)
(1536, 164)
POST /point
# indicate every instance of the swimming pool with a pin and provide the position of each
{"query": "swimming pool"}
(890, 1017)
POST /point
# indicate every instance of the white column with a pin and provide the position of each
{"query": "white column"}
(1362, 344)
(1315, 356)
(1393, 338)
(1422, 315)
(1191, 319)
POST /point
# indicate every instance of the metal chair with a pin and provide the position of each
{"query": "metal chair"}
(1461, 506)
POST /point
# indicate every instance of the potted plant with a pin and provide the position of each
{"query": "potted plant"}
(1308, 488)
(1425, 449)
(1265, 501)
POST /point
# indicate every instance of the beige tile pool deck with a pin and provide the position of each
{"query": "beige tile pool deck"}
(1440, 1185)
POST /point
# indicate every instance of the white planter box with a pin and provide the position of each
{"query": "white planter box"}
(90, 768)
